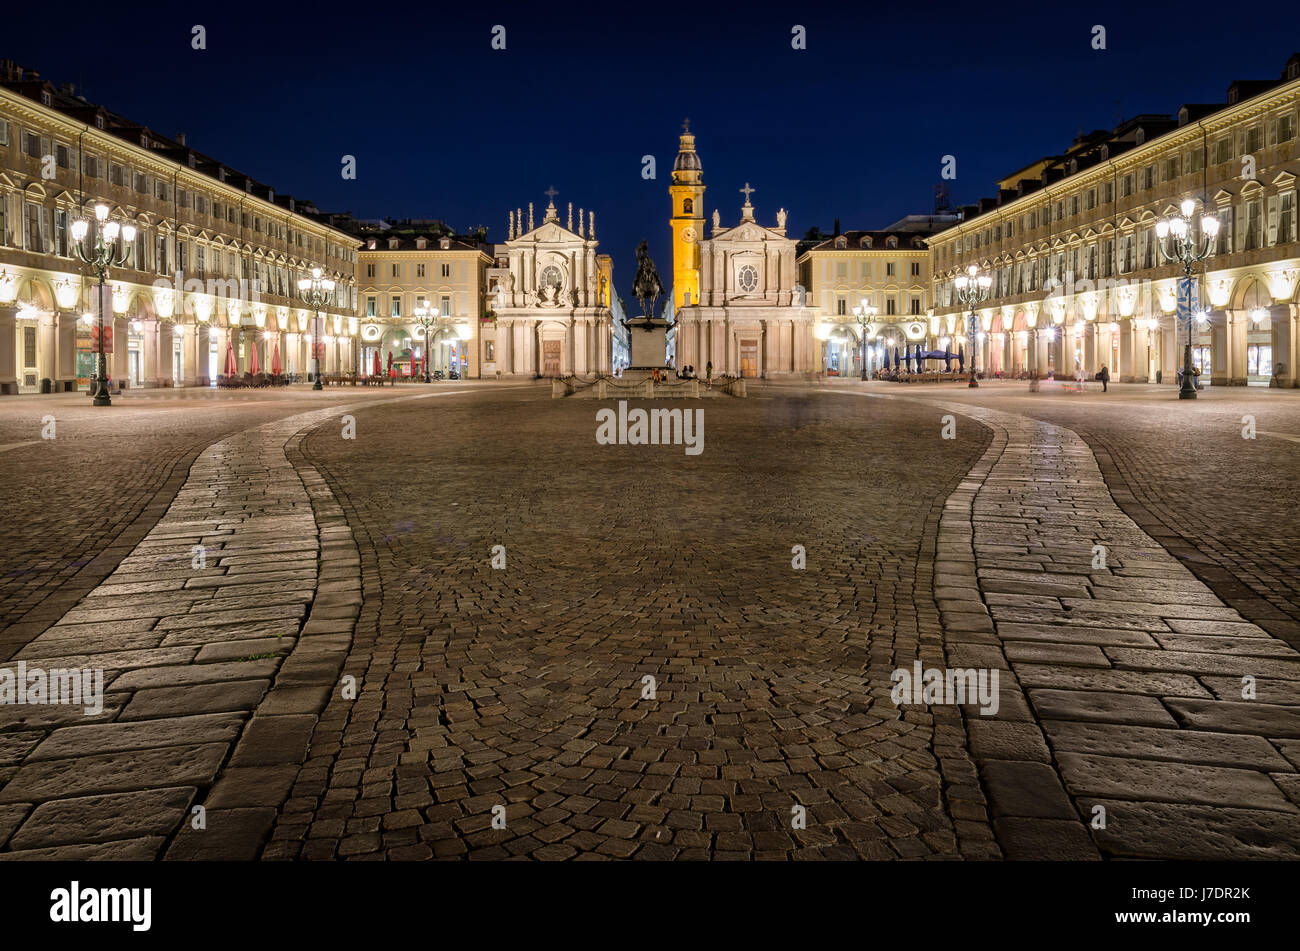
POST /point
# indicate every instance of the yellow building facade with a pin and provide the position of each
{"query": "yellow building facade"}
(213, 269)
(686, 222)
(1078, 278)
(888, 271)
(414, 278)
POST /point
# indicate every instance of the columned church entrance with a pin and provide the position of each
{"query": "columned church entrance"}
(551, 351)
(748, 357)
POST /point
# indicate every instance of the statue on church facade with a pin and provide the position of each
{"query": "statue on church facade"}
(717, 221)
(647, 286)
(780, 219)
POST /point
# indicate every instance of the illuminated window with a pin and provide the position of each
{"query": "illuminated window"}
(747, 278)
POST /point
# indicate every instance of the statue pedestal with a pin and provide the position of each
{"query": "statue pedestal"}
(648, 342)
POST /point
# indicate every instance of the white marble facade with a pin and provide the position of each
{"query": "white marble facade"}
(750, 319)
(547, 299)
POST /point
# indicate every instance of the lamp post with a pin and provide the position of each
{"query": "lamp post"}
(863, 314)
(315, 291)
(972, 288)
(426, 316)
(1178, 243)
(102, 255)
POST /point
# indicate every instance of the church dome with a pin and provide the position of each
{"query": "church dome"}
(687, 161)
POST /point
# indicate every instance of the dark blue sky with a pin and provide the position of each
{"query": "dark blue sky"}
(443, 126)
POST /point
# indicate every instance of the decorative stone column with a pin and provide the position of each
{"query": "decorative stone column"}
(119, 359)
(48, 352)
(65, 351)
(8, 349)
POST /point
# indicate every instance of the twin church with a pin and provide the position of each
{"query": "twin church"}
(735, 300)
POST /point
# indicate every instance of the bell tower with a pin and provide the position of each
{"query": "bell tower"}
(687, 221)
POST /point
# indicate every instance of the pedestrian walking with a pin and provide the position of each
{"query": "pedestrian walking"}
(1104, 376)
(708, 374)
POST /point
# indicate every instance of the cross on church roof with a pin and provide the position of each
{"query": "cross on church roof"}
(686, 125)
(747, 191)
(550, 193)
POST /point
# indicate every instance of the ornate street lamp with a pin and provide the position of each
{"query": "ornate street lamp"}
(315, 291)
(102, 255)
(863, 314)
(972, 288)
(1178, 243)
(426, 317)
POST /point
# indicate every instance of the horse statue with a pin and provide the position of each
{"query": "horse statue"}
(647, 286)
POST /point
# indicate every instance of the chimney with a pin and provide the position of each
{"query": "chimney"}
(837, 228)
(69, 89)
(180, 137)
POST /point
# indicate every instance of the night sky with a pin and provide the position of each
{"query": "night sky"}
(443, 126)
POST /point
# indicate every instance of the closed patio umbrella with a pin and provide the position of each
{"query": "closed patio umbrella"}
(961, 358)
(231, 368)
(898, 363)
(275, 359)
(253, 366)
(907, 357)
(390, 363)
(947, 358)
(378, 369)
(885, 365)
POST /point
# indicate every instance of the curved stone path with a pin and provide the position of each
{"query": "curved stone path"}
(1122, 729)
(213, 663)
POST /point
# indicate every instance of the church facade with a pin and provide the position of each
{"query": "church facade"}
(550, 294)
(736, 296)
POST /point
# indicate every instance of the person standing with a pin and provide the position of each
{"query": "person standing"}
(1104, 376)
(708, 374)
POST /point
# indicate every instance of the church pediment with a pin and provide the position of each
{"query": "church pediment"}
(747, 231)
(550, 232)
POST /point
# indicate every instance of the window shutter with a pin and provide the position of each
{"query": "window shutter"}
(43, 216)
(1272, 220)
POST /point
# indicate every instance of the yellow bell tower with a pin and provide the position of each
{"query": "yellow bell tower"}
(687, 222)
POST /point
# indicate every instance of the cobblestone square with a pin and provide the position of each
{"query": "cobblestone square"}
(474, 632)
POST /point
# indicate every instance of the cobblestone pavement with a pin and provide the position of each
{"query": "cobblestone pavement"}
(523, 687)
(1132, 698)
(1223, 505)
(217, 637)
(370, 558)
(82, 500)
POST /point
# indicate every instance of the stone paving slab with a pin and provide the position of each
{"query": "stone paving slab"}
(190, 649)
(1132, 729)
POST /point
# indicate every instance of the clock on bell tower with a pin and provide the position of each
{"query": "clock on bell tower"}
(687, 221)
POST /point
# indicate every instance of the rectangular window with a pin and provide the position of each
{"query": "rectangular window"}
(916, 305)
(489, 350)
(1286, 223)
(889, 269)
(372, 303)
(1285, 128)
(397, 271)
(446, 270)
(916, 269)
(370, 270)
(32, 145)
(33, 227)
(840, 306)
(92, 166)
(61, 246)
(419, 270)
(395, 307)
(890, 306)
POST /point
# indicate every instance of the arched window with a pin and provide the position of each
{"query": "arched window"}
(865, 242)
(688, 207)
(892, 241)
(841, 242)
